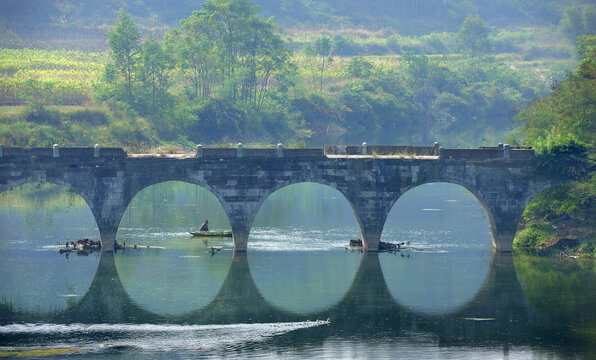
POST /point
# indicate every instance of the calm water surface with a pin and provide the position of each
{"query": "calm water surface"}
(297, 292)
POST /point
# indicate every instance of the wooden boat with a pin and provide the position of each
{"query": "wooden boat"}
(211, 233)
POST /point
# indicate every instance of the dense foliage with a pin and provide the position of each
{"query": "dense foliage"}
(562, 127)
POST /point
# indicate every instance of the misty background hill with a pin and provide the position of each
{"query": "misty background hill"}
(45, 20)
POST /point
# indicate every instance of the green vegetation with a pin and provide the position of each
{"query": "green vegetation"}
(430, 71)
(26, 352)
(562, 127)
(563, 289)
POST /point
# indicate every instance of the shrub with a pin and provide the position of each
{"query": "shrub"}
(533, 235)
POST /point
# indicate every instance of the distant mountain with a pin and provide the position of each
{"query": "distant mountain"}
(408, 16)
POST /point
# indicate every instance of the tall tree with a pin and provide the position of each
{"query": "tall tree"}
(473, 35)
(124, 43)
(154, 73)
(226, 45)
(195, 50)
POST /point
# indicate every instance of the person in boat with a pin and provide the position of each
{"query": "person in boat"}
(205, 226)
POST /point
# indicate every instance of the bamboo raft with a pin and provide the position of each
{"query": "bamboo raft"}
(211, 233)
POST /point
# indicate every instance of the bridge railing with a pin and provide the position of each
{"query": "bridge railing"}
(379, 150)
(224, 153)
(487, 153)
(480, 154)
(63, 152)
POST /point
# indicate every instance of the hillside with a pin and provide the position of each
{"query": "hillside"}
(391, 72)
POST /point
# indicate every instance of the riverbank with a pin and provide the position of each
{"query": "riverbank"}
(565, 237)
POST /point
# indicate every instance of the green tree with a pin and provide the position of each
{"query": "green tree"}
(226, 49)
(589, 19)
(322, 54)
(153, 71)
(194, 48)
(124, 43)
(473, 35)
(359, 67)
(571, 25)
(569, 113)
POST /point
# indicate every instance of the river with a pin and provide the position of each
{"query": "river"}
(298, 292)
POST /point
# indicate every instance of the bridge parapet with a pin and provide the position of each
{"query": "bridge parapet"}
(227, 153)
(484, 153)
(487, 153)
(12, 152)
(379, 150)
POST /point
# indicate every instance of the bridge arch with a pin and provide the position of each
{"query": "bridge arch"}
(296, 252)
(211, 197)
(242, 217)
(324, 204)
(159, 219)
(448, 240)
(458, 193)
(57, 181)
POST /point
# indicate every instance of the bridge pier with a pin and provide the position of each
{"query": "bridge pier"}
(503, 219)
(241, 213)
(108, 209)
(371, 213)
(240, 232)
(371, 237)
(502, 236)
(108, 240)
(107, 233)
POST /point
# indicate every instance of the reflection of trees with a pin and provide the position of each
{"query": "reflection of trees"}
(562, 289)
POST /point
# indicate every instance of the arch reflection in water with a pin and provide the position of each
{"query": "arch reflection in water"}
(296, 247)
(448, 252)
(34, 219)
(171, 272)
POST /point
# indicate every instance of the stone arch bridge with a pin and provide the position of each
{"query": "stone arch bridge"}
(372, 178)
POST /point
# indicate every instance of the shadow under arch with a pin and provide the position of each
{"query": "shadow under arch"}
(37, 219)
(305, 206)
(498, 314)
